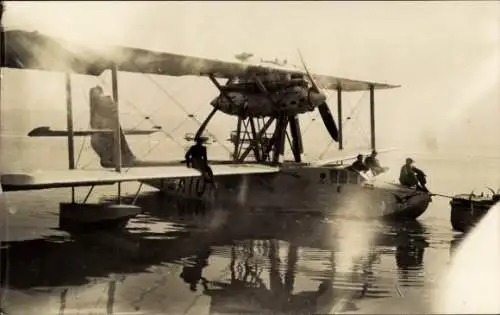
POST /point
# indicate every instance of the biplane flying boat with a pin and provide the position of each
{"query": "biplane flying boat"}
(266, 99)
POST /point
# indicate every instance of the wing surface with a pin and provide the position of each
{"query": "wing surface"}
(32, 50)
(48, 132)
(347, 156)
(66, 178)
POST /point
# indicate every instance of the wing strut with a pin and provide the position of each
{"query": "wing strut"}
(203, 126)
(372, 115)
(118, 145)
(205, 123)
(297, 146)
(69, 121)
(339, 113)
(259, 136)
(279, 135)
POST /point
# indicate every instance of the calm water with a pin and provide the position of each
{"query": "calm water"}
(178, 259)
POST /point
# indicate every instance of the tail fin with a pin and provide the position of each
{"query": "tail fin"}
(103, 113)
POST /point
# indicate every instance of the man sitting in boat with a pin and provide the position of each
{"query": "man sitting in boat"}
(358, 165)
(196, 157)
(411, 176)
(373, 164)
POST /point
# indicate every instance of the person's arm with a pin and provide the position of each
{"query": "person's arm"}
(413, 173)
(362, 166)
(418, 171)
(369, 162)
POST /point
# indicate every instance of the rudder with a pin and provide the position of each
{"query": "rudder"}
(103, 113)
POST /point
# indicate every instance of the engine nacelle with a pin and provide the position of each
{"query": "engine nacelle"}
(291, 101)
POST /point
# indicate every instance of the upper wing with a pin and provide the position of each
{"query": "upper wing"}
(347, 156)
(33, 50)
(67, 178)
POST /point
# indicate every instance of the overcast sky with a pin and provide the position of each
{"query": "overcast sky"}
(444, 54)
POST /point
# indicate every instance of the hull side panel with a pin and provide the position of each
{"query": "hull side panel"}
(302, 190)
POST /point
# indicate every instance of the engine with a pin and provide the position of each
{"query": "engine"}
(248, 100)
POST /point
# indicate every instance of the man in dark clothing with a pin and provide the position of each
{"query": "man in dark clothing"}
(373, 164)
(358, 165)
(196, 157)
(411, 176)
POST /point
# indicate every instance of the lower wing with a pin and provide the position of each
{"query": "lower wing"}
(346, 156)
(67, 178)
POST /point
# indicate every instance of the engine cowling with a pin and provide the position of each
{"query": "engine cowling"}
(292, 100)
(315, 98)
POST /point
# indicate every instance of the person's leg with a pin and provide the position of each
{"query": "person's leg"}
(199, 166)
(405, 182)
(410, 183)
(211, 176)
(210, 173)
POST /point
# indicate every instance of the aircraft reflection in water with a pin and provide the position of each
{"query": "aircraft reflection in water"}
(409, 255)
(287, 265)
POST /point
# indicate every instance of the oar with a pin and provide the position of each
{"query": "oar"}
(453, 197)
(445, 196)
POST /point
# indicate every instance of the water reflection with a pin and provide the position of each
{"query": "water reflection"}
(410, 246)
(272, 263)
(248, 291)
(192, 275)
(455, 242)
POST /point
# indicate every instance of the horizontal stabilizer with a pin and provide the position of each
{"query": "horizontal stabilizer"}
(67, 178)
(346, 156)
(47, 132)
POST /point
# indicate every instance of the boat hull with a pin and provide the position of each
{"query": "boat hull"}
(467, 211)
(320, 190)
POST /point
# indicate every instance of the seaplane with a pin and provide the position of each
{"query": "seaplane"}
(266, 99)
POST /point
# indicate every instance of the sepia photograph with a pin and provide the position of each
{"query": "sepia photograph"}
(249, 157)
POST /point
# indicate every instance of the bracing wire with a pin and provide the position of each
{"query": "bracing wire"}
(167, 134)
(171, 131)
(146, 118)
(82, 147)
(353, 113)
(180, 106)
(178, 126)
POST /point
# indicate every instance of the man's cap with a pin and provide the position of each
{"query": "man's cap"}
(409, 160)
